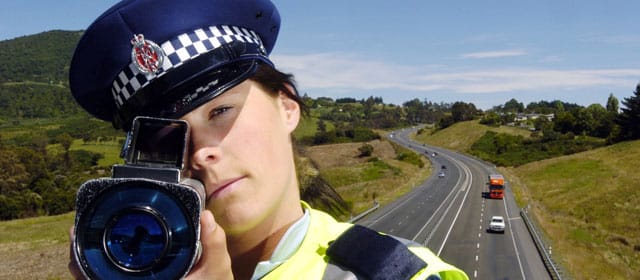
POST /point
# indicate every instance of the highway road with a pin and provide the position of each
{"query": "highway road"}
(450, 216)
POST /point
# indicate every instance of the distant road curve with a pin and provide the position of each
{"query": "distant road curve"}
(450, 216)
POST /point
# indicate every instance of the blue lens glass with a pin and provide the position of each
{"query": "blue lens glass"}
(136, 239)
(137, 229)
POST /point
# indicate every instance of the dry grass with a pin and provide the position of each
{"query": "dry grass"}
(341, 162)
(35, 248)
(334, 155)
(589, 207)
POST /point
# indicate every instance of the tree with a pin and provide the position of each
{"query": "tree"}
(612, 104)
(490, 119)
(589, 120)
(345, 100)
(461, 111)
(513, 106)
(629, 118)
(414, 109)
(564, 122)
(542, 124)
(559, 106)
(322, 136)
(65, 140)
(365, 150)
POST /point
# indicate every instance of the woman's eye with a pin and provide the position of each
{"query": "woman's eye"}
(219, 111)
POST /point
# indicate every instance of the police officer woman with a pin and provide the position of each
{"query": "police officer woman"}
(206, 62)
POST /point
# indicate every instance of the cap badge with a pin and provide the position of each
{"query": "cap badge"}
(146, 55)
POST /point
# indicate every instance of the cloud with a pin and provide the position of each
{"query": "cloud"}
(494, 54)
(340, 72)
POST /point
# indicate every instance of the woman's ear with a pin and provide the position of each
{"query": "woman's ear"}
(291, 109)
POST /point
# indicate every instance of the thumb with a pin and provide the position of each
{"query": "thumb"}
(215, 262)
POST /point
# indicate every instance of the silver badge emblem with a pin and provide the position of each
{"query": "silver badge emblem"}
(146, 55)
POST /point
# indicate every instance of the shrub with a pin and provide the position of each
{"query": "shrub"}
(365, 150)
(411, 157)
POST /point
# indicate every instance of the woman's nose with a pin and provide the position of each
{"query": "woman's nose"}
(200, 157)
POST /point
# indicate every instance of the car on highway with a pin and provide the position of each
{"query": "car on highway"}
(497, 224)
(441, 174)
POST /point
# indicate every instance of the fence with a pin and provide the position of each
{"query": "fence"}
(376, 205)
(553, 269)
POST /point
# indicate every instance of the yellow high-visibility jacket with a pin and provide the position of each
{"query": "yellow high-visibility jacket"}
(311, 261)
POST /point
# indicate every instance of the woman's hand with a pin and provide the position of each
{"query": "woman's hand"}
(73, 266)
(215, 262)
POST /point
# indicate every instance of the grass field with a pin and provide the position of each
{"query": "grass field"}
(110, 150)
(589, 207)
(35, 248)
(25, 126)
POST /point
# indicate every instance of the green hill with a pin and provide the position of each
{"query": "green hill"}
(589, 206)
(34, 76)
(42, 57)
(460, 136)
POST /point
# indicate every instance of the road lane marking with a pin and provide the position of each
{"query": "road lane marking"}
(513, 239)
(467, 181)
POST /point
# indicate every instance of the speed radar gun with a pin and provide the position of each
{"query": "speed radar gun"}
(144, 221)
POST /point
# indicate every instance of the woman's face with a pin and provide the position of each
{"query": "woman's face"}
(241, 150)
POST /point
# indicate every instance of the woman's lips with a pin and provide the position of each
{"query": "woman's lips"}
(221, 187)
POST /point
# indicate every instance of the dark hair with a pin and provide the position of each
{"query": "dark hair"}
(274, 82)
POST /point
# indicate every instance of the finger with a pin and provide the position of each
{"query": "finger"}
(214, 262)
(73, 266)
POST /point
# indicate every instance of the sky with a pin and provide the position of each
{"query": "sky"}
(484, 52)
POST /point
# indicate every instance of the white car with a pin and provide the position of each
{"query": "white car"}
(440, 174)
(497, 224)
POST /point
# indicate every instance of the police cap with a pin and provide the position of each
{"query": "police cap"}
(164, 58)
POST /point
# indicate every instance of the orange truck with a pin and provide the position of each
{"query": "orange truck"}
(496, 186)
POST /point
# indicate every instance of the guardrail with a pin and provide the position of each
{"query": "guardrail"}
(549, 264)
(376, 205)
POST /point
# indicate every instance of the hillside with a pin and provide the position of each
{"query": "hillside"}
(362, 180)
(34, 76)
(460, 136)
(42, 57)
(589, 206)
